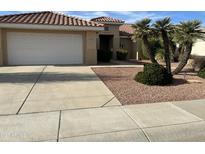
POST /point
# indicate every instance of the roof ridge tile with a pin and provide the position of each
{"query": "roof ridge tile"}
(47, 18)
(107, 19)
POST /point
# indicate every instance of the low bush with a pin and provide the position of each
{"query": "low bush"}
(122, 54)
(104, 56)
(201, 73)
(154, 74)
(140, 77)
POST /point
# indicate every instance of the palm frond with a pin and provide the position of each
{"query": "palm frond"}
(142, 28)
(189, 31)
(163, 24)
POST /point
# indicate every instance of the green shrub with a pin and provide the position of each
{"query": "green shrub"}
(154, 74)
(122, 54)
(104, 56)
(140, 77)
(201, 73)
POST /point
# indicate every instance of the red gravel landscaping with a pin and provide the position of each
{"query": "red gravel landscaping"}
(128, 91)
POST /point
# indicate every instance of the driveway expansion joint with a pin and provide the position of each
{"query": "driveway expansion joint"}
(59, 110)
(179, 108)
(177, 124)
(40, 74)
(124, 130)
(59, 124)
(108, 101)
(145, 134)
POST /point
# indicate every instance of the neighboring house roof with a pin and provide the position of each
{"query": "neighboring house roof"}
(126, 28)
(111, 20)
(47, 18)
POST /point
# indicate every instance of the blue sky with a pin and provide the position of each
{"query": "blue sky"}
(132, 16)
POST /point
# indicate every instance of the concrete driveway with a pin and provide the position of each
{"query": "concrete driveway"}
(50, 103)
(32, 89)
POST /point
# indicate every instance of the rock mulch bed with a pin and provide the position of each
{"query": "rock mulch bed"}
(128, 91)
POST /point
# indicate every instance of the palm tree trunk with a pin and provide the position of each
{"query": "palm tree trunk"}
(177, 53)
(148, 50)
(173, 49)
(184, 59)
(167, 53)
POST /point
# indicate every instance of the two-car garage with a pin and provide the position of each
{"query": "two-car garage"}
(47, 38)
(25, 48)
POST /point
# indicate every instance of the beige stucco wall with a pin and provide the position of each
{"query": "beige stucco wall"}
(90, 48)
(199, 48)
(1, 48)
(130, 46)
(113, 30)
(134, 50)
(89, 43)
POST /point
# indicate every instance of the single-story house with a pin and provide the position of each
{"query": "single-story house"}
(54, 38)
(199, 48)
(47, 38)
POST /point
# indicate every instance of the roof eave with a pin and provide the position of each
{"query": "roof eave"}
(51, 27)
(111, 23)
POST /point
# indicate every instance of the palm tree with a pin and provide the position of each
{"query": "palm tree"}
(143, 31)
(174, 47)
(163, 27)
(186, 34)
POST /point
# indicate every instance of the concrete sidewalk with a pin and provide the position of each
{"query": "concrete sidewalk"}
(179, 121)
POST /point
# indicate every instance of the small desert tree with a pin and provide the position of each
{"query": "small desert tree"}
(175, 47)
(163, 28)
(186, 34)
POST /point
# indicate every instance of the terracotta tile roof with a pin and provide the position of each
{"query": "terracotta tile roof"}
(127, 28)
(47, 18)
(107, 19)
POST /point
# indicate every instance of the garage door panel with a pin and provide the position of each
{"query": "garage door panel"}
(44, 48)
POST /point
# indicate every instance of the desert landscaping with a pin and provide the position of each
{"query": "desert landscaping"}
(122, 84)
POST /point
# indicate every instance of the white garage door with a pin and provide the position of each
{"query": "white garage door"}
(44, 48)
